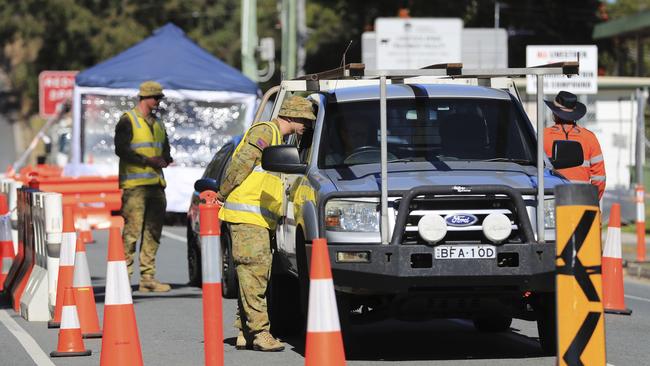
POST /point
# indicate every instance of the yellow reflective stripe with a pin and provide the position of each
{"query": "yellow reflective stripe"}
(134, 118)
(139, 176)
(241, 207)
(147, 144)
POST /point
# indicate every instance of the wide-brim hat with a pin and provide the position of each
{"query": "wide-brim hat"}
(297, 107)
(566, 106)
(150, 89)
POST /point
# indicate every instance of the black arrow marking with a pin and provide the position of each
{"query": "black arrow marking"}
(573, 353)
(572, 264)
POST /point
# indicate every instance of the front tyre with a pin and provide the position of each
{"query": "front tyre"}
(193, 258)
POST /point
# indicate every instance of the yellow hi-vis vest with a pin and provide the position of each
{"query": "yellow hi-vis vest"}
(145, 143)
(258, 199)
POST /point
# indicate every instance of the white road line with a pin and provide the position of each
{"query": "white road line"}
(637, 298)
(28, 343)
(174, 236)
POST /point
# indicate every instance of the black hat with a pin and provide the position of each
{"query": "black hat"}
(566, 106)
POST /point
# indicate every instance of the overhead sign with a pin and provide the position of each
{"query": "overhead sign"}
(411, 43)
(54, 87)
(584, 83)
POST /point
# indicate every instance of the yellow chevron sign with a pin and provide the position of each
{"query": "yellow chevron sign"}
(581, 330)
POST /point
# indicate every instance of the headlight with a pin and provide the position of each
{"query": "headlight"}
(359, 216)
(549, 213)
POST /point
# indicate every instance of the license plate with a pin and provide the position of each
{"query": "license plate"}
(465, 252)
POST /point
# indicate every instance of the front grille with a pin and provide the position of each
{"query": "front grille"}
(479, 206)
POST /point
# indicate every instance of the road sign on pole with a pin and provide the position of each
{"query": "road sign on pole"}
(585, 83)
(54, 87)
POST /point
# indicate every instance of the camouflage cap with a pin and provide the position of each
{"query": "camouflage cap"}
(297, 107)
(150, 89)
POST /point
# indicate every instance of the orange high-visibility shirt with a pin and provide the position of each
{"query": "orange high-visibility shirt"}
(593, 169)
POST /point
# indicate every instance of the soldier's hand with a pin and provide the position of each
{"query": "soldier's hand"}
(156, 162)
(220, 199)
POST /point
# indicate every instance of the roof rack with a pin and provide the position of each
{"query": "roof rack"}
(451, 70)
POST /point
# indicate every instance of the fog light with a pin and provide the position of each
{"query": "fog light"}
(432, 228)
(353, 257)
(497, 227)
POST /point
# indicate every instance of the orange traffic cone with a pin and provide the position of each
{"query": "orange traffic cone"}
(7, 254)
(613, 291)
(121, 343)
(66, 263)
(70, 342)
(84, 295)
(324, 345)
(84, 228)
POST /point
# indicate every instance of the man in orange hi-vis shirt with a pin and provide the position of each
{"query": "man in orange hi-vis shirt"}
(566, 111)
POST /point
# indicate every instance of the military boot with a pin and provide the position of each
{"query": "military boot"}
(265, 342)
(242, 341)
(149, 284)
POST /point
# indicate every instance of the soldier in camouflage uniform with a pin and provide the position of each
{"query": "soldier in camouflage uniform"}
(142, 145)
(251, 247)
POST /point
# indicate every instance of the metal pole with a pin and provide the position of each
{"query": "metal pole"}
(249, 38)
(640, 134)
(540, 159)
(496, 14)
(384, 160)
(289, 38)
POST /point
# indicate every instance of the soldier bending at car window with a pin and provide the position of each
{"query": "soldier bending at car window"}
(252, 203)
(143, 148)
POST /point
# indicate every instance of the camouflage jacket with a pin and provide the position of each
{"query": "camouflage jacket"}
(249, 155)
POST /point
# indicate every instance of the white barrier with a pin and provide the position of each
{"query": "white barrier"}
(47, 225)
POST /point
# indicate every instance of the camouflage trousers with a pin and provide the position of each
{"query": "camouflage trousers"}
(143, 209)
(251, 250)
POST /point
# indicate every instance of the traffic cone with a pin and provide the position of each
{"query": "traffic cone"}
(84, 295)
(121, 343)
(70, 342)
(613, 291)
(7, 254)
(66, 263)
(84, 228)
(324, 345)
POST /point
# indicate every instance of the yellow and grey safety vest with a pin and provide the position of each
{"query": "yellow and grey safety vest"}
(147, 142)
(258, 199)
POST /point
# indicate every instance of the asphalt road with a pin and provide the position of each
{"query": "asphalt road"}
(171, 331)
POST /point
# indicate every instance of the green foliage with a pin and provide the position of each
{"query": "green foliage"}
(38, 35)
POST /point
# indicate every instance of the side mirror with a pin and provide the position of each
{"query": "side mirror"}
(206, 184)
(566, 154)
(283, 159)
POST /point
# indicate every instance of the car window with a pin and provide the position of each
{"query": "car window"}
(431, 129)
(219, 161)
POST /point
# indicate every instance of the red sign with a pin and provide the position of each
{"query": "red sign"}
(54, 87)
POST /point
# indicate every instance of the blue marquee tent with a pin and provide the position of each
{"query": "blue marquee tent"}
(208, 102)
(172, 59)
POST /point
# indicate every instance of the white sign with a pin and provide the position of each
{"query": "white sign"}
(412, 43)
(584, 83)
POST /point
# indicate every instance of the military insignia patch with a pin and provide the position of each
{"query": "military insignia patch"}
(261, 143)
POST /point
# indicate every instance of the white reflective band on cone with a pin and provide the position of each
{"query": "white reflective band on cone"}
(118, 285)
(640, 212)
(68, 245)
(5, 227)
(69, 318)
(323, 314)
(613, 243)
(81, 277)
(211, 258)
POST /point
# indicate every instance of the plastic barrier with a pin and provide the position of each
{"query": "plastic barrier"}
(14, 271)
(580, 313)
(7, 253)
(10, 188)
(25, 231)
(46, 216)
(324, 344)
(210, 231)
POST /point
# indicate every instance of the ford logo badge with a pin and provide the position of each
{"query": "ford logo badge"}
(461, 220)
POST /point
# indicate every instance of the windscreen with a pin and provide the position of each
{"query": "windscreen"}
(426, 129)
